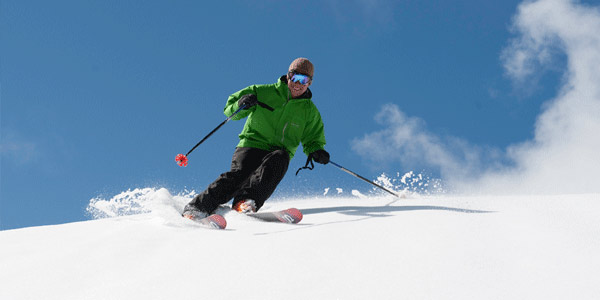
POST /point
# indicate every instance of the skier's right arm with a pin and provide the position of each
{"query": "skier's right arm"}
(232, 103)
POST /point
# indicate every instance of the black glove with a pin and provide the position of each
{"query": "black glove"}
(248, 100)
(320, 156)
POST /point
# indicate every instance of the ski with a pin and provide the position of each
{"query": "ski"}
(213, 221)
(290, 216)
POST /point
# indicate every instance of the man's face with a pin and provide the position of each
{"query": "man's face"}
(297, 88)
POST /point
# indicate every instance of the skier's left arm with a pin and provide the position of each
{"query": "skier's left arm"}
(313, 138)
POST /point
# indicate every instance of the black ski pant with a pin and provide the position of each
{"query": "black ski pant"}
(254, 174)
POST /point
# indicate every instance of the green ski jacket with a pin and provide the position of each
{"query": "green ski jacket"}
(292, 121)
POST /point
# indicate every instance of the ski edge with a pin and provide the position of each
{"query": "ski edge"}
(289, 216)
(213, 221)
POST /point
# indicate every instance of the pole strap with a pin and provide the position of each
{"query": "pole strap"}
(309, 164)
(263, 105)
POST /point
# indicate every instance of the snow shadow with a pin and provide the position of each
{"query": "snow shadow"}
(380, 211)
(368, 212)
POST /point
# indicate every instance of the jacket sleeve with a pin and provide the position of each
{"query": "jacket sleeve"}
(313, 138)
(232, 103)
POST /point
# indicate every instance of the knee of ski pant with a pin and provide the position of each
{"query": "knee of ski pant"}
(277, 161)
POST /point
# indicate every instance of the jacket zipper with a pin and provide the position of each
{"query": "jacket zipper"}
(286, 123)
(283, 132)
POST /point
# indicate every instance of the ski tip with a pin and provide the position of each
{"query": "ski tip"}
(217, 221)
(295, 214)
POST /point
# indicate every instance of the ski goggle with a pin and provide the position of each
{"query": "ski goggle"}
(301, 78)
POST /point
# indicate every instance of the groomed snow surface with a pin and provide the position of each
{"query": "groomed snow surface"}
(354, 247)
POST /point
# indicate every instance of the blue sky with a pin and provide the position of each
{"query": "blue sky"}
(98, 97)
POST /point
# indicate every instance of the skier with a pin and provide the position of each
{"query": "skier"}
(280, 117)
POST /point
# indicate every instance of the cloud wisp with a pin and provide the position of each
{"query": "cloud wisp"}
(563, 155)
(14, 148)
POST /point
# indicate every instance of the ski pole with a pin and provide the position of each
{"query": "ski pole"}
(360, 177)
(182, 160)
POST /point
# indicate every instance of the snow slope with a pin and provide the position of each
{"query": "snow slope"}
(528, 247)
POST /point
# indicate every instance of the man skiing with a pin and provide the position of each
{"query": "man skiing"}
(280, 117)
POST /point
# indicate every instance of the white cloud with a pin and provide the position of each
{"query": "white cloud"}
(407, 140)
(563, 156)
